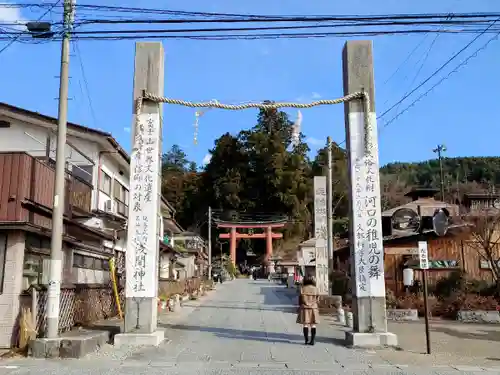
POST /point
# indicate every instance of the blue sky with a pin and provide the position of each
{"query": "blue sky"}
(461, 112)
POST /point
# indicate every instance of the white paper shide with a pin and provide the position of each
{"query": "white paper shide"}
(366, 223)
(320, 233)
(142, 267)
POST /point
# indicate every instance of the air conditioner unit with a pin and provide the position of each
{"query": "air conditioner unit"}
(108, 206)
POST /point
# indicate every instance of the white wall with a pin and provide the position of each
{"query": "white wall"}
(86, 276)
(165, 260)
(89, 276)
(189, 265)
(32, 139)
(12, 284)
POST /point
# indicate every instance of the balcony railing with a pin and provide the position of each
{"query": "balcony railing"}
(25, 177)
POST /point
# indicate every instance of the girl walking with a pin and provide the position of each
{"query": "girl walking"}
(308, 313)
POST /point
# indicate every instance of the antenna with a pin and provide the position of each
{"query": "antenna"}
(441, 221)
(405, 219)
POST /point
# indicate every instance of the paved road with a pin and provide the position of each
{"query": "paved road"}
(245, 327)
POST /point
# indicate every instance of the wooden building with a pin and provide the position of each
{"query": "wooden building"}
(446, 254)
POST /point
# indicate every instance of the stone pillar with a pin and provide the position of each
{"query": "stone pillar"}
(232, 246)
(141, 289)
(370, 323)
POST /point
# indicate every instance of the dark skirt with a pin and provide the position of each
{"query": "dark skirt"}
(307, 316)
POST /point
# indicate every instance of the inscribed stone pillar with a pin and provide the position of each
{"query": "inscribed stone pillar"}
(142, 255)
(367, 254)
(320, 234)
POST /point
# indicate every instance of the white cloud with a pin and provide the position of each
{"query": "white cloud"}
(12, 16)
(126, 130)
(308, 98)
(207, 159)
(315, 141)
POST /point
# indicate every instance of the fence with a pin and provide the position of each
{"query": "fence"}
(84, 304)
(169, 287)
(80, 305)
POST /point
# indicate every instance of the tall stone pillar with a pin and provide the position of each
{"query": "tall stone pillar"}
(367, 253)
(142, 255)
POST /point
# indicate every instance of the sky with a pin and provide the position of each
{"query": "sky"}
(460, 113)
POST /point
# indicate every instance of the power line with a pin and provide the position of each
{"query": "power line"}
(424, 60)
(18, 36)
(84, 77)
(405, 60)
(438, 70)
(457, 68)
(142, 10)
(256, 36)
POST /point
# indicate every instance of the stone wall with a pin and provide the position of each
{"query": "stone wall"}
(479, 316)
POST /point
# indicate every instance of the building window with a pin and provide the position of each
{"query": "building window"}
(121, 195)
(105, 184)
(84, 173)
(90, 262)
(78, 260)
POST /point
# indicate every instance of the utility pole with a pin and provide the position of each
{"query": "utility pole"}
(439, 150)
(209, 242)
(55, 271)
(329, 209)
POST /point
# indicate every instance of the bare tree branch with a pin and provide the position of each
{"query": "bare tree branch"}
(485, 233)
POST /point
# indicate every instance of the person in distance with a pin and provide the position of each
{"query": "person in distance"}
(308, 313)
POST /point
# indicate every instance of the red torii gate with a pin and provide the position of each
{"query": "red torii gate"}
(233, 235)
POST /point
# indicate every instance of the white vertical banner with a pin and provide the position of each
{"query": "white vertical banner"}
(320, 234)
(142, 235)
(366, 220)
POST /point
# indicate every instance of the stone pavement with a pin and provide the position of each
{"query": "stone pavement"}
(245, 327)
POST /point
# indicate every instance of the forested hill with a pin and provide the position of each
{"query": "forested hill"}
(461, 175)
(472, 169)
(262, 171)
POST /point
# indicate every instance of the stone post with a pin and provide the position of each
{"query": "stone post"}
(141, 290)
(367, 253)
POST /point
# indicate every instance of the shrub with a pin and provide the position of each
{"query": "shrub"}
(447, 286)
(450, 306)
(481, 287)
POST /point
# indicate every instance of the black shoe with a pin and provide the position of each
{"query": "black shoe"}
(305, 330)
(313, 336)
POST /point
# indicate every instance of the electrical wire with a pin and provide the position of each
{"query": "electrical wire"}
(17, 37)
(197, 30)
(455, 70)
(424, 60)
(258, 36)
(84, 77)
(142, 10)
(452, 58)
